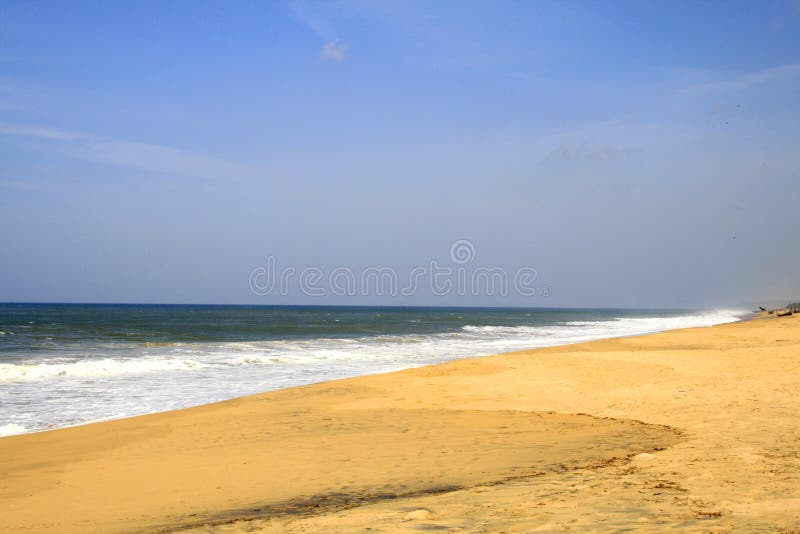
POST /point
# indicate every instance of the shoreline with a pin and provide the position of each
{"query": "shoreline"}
(741, 316)
(571, 427)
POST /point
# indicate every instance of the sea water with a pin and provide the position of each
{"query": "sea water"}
(69, 364)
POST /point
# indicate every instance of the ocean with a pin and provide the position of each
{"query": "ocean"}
(70, 364)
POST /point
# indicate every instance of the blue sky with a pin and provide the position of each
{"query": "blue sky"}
(633, 153)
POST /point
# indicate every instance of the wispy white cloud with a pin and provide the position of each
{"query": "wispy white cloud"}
(747, 80)
(158, 158)
(319, 18)
(334, 50)
(148, 157)
(590, 154)
(17, 130)
(303, 13)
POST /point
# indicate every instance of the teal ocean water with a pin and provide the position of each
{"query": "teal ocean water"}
(68, 364)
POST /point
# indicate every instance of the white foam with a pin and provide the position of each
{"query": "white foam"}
(129, 379)
(106, 367)
(11, 429)
(473, 340)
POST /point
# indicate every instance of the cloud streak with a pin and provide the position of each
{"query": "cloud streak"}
(143, 156)
(17, 130)
(588, 154)
(313, 17)
(747, 80)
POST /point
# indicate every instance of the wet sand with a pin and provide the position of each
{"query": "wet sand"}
(688, 430)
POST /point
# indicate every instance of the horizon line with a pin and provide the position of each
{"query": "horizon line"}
(417, 306)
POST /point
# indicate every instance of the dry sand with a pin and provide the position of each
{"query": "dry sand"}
(688, 430)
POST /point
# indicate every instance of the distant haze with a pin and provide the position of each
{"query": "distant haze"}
(632, 154)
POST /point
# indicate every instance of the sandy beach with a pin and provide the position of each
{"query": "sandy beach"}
(686, 430)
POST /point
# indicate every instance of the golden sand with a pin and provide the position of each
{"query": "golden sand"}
(689, 430)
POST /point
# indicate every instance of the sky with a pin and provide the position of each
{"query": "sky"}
(622, 153)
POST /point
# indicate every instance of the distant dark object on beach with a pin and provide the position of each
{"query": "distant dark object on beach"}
(762, 308)
(784, 313)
